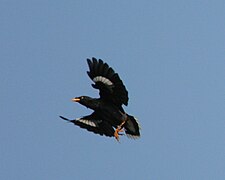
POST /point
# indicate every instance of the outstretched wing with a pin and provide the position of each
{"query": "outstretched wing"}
(108, 82)
(94, 124)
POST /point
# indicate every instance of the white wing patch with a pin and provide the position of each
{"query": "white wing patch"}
(88, 122)
(103, 80)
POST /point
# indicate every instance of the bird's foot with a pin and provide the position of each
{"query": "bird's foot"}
(117, 133)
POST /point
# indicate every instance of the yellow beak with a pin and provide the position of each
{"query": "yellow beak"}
(76, 99)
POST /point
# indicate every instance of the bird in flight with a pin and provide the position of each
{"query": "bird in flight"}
(109, 117)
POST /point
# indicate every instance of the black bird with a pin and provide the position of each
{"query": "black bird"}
(109, 117)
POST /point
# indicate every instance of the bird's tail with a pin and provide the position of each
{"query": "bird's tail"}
(132, 127)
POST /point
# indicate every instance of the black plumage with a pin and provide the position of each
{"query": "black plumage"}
(109, 117)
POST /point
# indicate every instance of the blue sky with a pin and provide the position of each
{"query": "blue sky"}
(170, 55)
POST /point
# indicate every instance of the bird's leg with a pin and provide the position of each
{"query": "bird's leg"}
(116, 134)
(119, 129)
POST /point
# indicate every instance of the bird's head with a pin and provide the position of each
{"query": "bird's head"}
(86, 101)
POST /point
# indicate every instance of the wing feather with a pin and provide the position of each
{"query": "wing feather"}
(93, 124)
(111, 87)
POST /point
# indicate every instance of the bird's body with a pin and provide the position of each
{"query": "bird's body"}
(109, 117)
(108, 112)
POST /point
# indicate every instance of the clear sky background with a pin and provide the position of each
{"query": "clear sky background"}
(171, 57)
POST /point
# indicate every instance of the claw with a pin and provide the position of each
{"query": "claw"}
(117, 133)
(119, 129)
